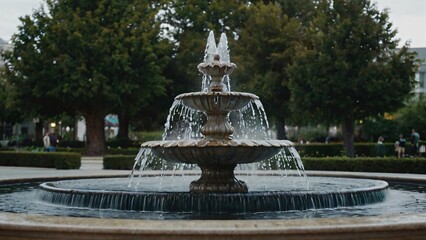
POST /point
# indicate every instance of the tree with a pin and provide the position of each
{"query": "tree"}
(351, 69)
(149, 80)
(413, 115)
(85, 57)
(8, 113)
(265, 49)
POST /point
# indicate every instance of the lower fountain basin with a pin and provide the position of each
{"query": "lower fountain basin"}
(216, 152)
(115, 194)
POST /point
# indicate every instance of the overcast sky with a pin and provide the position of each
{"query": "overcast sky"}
(408, 17)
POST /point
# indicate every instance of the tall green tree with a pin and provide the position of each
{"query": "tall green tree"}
(266, 48)
(85, 57)
(351, 69)
(8, 113)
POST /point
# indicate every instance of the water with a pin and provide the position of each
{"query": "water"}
(403, 198)
(249, 122)
(222, 49)
(287, 164)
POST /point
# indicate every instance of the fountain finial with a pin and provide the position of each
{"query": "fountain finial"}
(216, 63)
(216, 57)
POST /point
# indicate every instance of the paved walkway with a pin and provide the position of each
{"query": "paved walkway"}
(89, 167)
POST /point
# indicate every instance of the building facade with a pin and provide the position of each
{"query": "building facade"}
(421, 72)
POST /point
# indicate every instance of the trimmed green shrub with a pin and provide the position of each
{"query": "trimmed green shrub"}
(41, 159)
(320, 149)
(336, 149)
(121, 143)
(121, 151)
(119, 162)
(359, 164)
(370, 149)
(126, 162)
(367, 164)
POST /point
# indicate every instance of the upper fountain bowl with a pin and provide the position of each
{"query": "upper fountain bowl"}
(217, 68)
(216, 101)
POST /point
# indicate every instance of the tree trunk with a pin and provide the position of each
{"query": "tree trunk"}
(280, 125)
(123, 124)
(39, 130)
(348, 129)
(95, 134)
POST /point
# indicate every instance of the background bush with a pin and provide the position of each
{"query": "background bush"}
(119, 162)
(366, 164)
(41, 159)
(359, 164)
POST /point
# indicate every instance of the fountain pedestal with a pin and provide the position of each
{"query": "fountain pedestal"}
(218, 178)
(217, 126)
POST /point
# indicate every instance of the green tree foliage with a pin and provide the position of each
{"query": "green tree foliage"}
(352, 69)
(413, 115)
(8, 113)
(389, 129)
(89, 58)
(188, 23)
(266, 48)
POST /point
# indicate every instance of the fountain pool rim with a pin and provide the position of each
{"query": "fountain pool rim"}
(337, 192)
(16, 226)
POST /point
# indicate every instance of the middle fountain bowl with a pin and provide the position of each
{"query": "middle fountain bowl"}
(217, 159)
(216, 152)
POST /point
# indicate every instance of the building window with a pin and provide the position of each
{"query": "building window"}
(420, 79)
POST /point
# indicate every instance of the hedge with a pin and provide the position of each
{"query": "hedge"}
(41, 159)
(119, 162)
(126, 162)
(122, 151)
(359, 164)
(367, 164)
(110, 151)
(336, 149)
(306, 150)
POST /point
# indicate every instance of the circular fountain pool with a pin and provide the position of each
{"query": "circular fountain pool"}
(268, 194)
(55, 198)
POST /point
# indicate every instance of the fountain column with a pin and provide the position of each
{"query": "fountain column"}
(214, 177)
(218, 178)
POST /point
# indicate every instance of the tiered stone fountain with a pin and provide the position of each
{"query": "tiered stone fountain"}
(217, 154)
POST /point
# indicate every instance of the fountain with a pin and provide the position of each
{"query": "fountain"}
(208, 139)
(217, 151)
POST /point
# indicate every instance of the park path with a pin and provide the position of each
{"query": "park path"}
(90, 167)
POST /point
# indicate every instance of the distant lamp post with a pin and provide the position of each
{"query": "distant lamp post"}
(53, 125)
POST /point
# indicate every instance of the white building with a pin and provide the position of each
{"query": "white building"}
(421, 73)
(4, 46)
